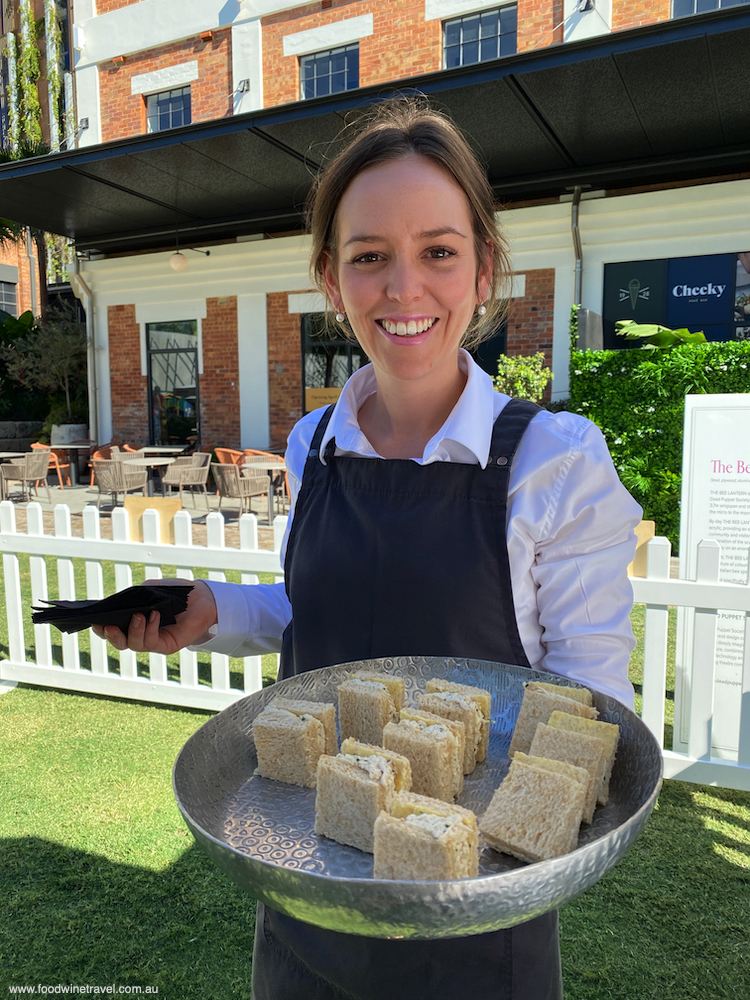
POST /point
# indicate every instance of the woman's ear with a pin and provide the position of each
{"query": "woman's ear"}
(331, 280)
(484, 275)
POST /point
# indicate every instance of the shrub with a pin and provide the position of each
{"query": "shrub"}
(637, 398)
(522, 377)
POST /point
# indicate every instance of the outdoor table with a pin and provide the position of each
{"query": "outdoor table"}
(270, 466)
(150, 464)
(74, 446)
(164, 449)
(9, 455)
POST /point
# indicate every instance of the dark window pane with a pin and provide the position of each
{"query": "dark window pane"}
(488, 24)
(470, 53)
(508, 18)
(480, 37)
(703, 5)
(452, 33)
(452, 57)
(683, 8)
(488, 49)
(470, 30)
(508, 44)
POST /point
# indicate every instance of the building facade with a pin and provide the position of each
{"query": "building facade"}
(231, 344)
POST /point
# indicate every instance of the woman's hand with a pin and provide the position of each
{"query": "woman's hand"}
(190, 628)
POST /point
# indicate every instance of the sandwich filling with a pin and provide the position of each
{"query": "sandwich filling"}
(437, 826)
(376, 767)
(436, 730)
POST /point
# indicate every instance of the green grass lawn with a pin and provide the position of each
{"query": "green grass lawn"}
(100, 882)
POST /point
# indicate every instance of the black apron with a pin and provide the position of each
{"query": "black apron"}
(391, 558)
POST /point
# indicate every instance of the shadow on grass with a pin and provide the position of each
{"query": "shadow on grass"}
(74, 917)
(669, 922)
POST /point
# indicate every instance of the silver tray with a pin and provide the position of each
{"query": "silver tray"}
(260, 832)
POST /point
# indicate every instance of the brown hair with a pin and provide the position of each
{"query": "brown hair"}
(407, 127)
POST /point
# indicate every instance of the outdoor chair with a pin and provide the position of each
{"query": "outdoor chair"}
(189, 472)
(280, 479)
(55, 463)
(232, 485)
(112, 476)
(30, 471)
(228, 456)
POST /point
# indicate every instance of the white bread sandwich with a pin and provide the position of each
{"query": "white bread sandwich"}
(351, 792)
(606, 731)
(432, 750)
(401, 765)
(536, 812)
(577, 694)
(423, 838)
(537, 706)
(456, 707)
(480, 696)
(325, 711)
(395, 685)
(365, 708)
(288, 745)
(574, 748)
(459, 731)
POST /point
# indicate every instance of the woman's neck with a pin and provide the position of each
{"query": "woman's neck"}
(400, 417)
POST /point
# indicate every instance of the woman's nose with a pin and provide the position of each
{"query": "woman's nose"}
(404, 282)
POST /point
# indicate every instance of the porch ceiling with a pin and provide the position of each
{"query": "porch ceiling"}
(651, 105)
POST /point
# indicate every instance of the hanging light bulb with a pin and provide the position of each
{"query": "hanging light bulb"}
(178, 261)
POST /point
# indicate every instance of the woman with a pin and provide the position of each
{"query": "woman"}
(431, 516)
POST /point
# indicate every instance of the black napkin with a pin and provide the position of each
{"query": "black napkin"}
(73, 616)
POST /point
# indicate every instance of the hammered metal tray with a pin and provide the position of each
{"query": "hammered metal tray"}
(260, 832)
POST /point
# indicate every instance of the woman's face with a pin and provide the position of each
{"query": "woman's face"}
(406, 271)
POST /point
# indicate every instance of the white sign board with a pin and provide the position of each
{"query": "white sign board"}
(715, 505)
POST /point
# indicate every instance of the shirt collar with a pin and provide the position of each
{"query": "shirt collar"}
(469, 424)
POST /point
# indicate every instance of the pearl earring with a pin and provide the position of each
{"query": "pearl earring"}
(482, 309)
(340, 317)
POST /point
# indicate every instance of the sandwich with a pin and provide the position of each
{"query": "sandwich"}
(578, 749)
(423, 838)
(481, 697)
(395, 685)
(325, 711)
(608, 732)
(365, 708)
(577, 694)
(456, 707)
(401, 765)
(536, 812)
(537, 706)
(432, 750)
(351, 791)
(459, 731)
(288, 745)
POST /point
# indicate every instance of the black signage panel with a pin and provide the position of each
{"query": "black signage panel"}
(701, 291)
(634, 290)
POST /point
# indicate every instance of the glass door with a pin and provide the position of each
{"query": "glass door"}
(174, 412)
(326, 362)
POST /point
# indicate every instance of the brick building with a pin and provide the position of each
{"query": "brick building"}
(235, 334)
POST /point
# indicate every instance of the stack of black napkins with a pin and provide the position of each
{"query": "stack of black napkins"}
(73, 616)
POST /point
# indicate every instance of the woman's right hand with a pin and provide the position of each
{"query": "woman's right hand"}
(190, 628)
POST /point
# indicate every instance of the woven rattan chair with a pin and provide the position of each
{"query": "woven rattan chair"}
(228, 456)
(231, 485)
(112, 476)
(188, 472)
(30, 471)
(55, 464)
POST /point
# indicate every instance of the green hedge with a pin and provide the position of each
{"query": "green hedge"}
(637, 398)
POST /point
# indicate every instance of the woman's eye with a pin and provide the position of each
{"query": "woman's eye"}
(366, 258)
(440, 253)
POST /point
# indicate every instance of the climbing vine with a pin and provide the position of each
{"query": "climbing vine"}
(54, 80)
(28, 72)
(14, 118)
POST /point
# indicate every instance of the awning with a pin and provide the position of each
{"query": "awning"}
(654, 104)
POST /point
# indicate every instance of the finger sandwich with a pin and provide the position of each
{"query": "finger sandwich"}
(535, 814)
(325, 711)
(288, 745)
(423, 838)
(459, 731)
(537, 706)
(578, 749)
(480, 696)
(401, 765)
(351, 792)
(456, 707)
(606, 731)
(365, 708)
(432, 750)
(395, 685)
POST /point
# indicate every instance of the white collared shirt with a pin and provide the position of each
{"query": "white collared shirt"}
(569, 534)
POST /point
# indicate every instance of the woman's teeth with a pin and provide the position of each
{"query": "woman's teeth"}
(410, 329)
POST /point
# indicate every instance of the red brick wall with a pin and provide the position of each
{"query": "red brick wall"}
(220, 381)
(531, 318)
(403, 44)
(104, 6)
(284, 367)
(122, 113)
(14, 254)
(127, 385)
(634, 13)
(536, 21)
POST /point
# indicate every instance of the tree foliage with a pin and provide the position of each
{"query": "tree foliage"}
(523, 377)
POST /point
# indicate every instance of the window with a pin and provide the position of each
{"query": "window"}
(170, 109)
(173, 382)
(8, 300)
(479, 37)
(329, 72)
(684, 8)
(327, 362)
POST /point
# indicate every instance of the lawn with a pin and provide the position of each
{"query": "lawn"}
(101, 883)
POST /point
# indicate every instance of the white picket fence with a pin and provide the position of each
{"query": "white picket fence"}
(706, 595)
(63, 548)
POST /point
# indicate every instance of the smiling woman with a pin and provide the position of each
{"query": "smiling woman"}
(430, 515)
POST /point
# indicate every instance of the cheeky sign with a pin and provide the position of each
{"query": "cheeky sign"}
(715, 505)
